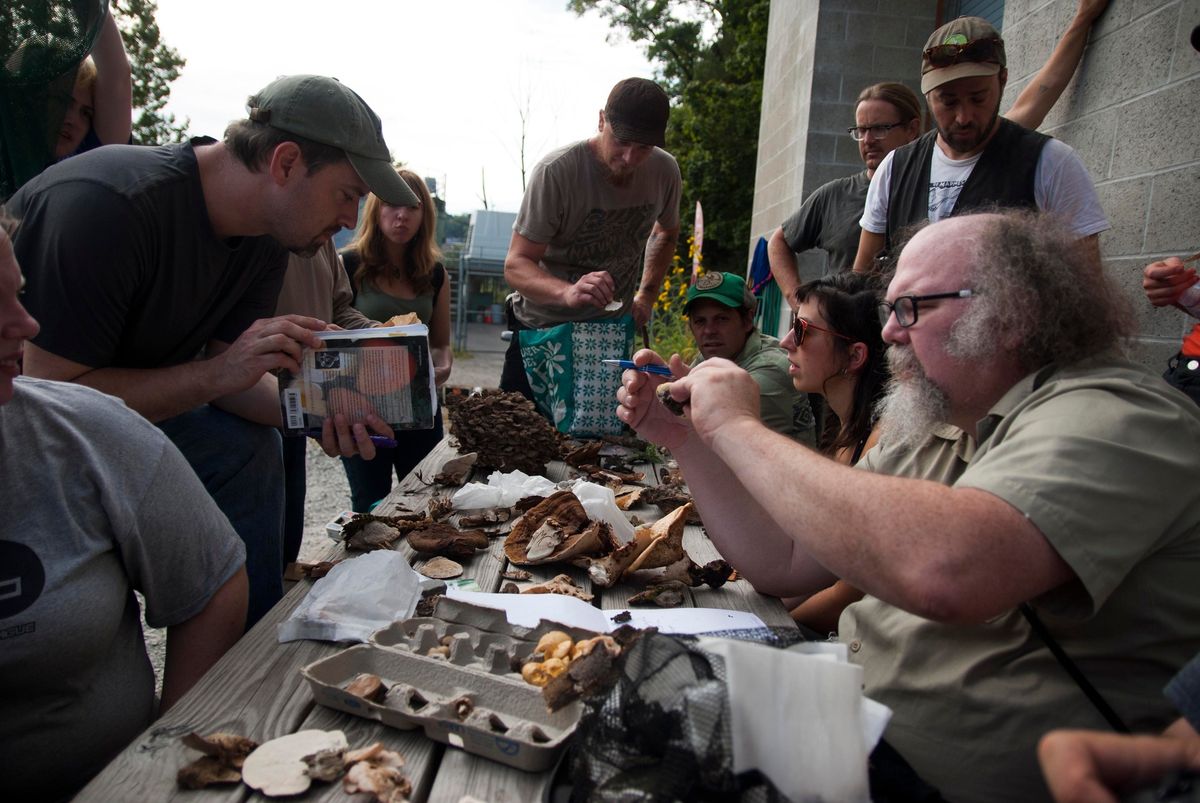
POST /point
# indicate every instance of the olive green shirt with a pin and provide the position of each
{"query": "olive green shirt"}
(780, 404)
(1103, 457)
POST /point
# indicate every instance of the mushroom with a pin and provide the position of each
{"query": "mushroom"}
(224, 754)
(556, 529)
(560, 584)
(456, 470)
(378, 771)
(450, 542)
(440, 568)
(277, 768)
(667, 546)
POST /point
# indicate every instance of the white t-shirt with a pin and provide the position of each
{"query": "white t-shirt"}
(1061, 185)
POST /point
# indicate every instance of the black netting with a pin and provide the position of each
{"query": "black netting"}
(41, 45)
(662, 732)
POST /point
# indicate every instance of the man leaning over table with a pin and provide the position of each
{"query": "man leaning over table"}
(98, 504)
(154, 273)
(1078, 499)
(595, 212)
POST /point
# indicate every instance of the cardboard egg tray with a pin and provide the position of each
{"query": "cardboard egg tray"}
(471, 699)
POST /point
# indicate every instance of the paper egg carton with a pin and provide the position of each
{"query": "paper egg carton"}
(471, 699)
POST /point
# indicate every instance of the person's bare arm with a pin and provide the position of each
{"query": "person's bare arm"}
(783, 266)
(160, 393)
(1099, 767)
(439, 335)
(112, 118)
(870, 245)
(957, 555)
(527, 277)
(195, 645)
(823, 609)
(1044, 89)
(659, 250)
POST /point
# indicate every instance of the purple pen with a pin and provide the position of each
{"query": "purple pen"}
(378, 440)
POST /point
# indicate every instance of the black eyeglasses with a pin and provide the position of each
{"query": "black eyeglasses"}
(800, 327)
(859, 132)
(976, 50)
(905, 307)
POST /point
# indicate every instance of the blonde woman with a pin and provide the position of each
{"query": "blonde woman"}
(394, 270)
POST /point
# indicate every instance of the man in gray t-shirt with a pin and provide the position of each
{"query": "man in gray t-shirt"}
(598, 224)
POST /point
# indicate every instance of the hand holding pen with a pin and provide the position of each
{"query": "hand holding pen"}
(340, 437)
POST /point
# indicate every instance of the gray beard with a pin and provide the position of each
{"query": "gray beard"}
(912, 405)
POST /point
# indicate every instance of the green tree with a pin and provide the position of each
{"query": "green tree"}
(154, 64)
(709, 57)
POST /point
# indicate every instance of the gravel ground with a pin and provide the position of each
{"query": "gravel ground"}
(329, 492)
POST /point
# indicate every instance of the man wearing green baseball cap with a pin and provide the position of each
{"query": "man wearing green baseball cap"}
(154, 273)
(720, 310)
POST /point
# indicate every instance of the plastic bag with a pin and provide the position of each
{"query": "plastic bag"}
(356, 598)
(502, 490)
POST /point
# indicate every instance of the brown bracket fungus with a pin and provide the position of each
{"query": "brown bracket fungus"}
(443, 539)
(560, 584)
(224, 754)
(556, 529)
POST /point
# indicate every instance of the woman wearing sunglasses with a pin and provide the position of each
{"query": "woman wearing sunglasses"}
(836, 351)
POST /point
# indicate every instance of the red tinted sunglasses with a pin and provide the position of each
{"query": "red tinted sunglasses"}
(800, 327)
(977, 50)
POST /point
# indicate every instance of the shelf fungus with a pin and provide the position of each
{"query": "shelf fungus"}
(557, 529)
(654, 546)
(456, 470)
(505, 430)
(224, 755)
(665, 595)
(378, 771)
(443, 539)
(366, 532)
(559, 584)
(278, 769)
(440, 568)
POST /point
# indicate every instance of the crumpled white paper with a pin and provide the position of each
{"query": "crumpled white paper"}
(501, 490)
(601, 505)
(801, 719)
(356, 598)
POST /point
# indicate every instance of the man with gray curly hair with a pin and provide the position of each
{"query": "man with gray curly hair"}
(1078, 500)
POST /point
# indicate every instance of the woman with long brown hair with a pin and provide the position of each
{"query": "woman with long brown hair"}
(394, 270)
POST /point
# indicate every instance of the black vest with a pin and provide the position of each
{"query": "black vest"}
(1003, 176)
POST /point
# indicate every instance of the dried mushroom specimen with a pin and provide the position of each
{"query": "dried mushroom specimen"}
(556, 529)
(519, 575)
(441, 568)
(593, 668)
(326, 765)
(439, 507)
(277, 767)
(448, 541)
(667, 546)
(456, 470)
(485, 518)
(584, 453)
(377, 771)
(367, 686)
(665, 595)
(663, 392)
(366, 532)
(506, 431)
(668, 497)
(560, 584)
(224, 754)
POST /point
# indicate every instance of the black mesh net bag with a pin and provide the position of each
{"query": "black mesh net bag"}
(662, 732)
(41, 45)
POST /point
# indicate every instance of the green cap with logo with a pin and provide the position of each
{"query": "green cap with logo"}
(728, 289)
(325, 110)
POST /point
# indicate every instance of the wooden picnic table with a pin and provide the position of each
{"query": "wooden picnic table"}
(256, 689)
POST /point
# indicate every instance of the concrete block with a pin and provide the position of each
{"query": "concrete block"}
(1125, 204)
(1093, 138)
(827, 87)
(861, 6)
(831, 26)
(1119, 13)
(830, 118)
(1124, 65)
(897, 62)
(1185, 61)
(919, 9)
(1017, 10)
(1029, 42)
(1158, 131)
(1174, 212)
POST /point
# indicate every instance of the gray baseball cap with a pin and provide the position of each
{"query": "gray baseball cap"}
(327, 111)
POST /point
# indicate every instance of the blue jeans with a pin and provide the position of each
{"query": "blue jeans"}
(295, 480)
(371, 480)
(241, 466)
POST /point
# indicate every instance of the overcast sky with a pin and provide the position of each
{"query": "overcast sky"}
(446, 77)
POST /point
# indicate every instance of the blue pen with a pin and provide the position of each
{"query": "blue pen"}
(661, 370)
(378, 440)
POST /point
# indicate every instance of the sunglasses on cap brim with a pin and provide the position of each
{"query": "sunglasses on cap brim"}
(977, 50)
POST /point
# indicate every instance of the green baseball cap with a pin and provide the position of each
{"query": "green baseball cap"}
(724, 288)
(327, 111)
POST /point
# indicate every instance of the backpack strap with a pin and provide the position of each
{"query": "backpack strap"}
(350, 262)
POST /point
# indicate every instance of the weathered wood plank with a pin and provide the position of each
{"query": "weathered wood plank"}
(463, 774)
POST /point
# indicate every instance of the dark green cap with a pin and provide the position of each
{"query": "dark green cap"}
(724, 288)
(325, 110)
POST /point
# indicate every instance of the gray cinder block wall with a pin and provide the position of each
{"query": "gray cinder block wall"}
(1132, 112)
(819, 56)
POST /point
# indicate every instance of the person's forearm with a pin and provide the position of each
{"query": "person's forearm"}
(534, 283)
(159, 393)
(258, 403)
(113, 91)
(1044, 89)
(744, 533)
(347, 317)
(443, 361)
(195, 645)
(870, 245)
(943, 553)
(660, 248)
(783, 266)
